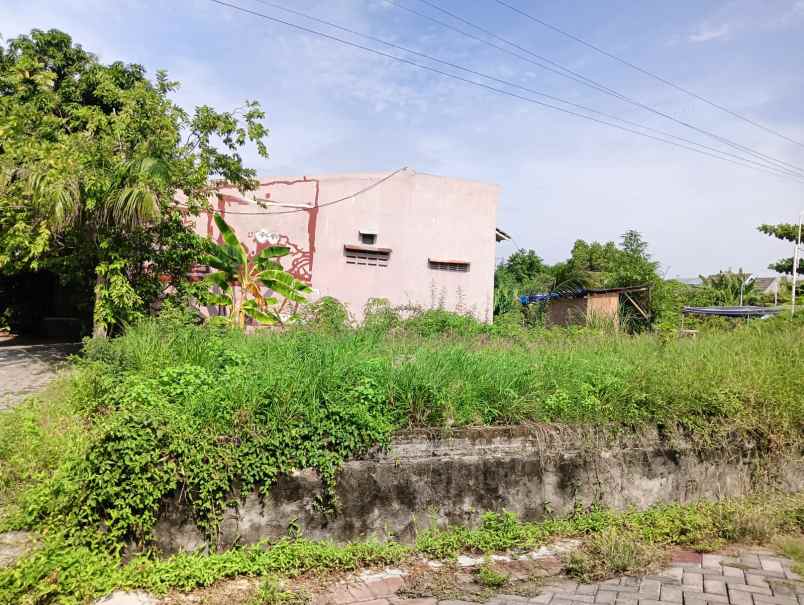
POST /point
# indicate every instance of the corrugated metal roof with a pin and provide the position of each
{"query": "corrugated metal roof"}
(745, 311)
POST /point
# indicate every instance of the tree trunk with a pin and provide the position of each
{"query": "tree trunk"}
(99, 328)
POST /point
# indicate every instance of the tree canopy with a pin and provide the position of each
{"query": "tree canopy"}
(92, 158)
(787, 232)
(590, 265)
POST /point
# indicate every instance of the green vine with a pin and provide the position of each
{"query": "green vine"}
(183, 436)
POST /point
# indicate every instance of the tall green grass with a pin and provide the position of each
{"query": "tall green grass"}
(750, 376)
(174, 410)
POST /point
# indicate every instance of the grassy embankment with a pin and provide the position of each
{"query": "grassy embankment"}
(171, 408)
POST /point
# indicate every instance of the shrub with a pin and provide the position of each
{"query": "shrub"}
(198, 431)
(490, 578)
(272, 592)
(436, 322)
(175, 410)
(380, 316)
(612, 552)
(327, 314)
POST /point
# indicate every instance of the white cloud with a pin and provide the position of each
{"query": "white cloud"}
(740, 17)
(790, 18)
(707, 34)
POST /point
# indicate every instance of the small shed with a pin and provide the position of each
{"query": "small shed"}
(585, 304)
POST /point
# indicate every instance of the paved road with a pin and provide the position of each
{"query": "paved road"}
(755, 577)
(28, 368)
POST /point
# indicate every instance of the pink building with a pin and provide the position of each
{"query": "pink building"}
(409, 237)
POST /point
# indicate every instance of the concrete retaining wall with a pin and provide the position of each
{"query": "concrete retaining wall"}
(425, 479)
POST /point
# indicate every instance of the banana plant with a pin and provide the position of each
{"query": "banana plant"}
(242, 281)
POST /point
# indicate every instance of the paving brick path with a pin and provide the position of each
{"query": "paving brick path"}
(27, 369)
(755, 577)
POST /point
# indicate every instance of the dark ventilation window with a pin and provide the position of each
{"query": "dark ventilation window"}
(364, 255)
(449, 265)
(368, 238)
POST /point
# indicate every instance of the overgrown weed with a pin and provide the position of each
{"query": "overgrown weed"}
(793, 548)
(273, 592)
(491, 578)
(196, 410)
(611, 552)
(172, 408)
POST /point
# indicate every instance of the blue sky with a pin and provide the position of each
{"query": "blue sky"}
(334, 109)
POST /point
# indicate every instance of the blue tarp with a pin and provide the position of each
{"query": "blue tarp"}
(527, 299)
(732, 311)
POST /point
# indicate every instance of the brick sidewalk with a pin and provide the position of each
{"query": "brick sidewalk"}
(756, 577)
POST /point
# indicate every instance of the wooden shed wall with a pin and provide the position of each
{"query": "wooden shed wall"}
(604, 306)
(566, 311)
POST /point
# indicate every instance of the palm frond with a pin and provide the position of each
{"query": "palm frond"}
(220, 279)
(134, 206)
(261, 315)
(58, 199)
(215, 298)
(271, 252)
(230, 237)
(154, 168)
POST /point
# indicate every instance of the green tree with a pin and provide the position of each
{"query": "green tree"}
(599, 265)
(723, 289)
(568, 274)
(589, 264)
(92, 158)
(789, 233)
(524, 272)
(632, 265)
(594, 257)
(523, 265)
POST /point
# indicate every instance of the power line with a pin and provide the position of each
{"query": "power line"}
(556, 68)
(488, 87)
(560, 69)
(649, 73)
(602, 88)
(320, 205)
(518, 86)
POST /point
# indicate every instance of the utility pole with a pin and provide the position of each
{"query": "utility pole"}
(743, 285)
(796, 256)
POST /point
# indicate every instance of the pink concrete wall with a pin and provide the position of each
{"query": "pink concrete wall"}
(418, 216)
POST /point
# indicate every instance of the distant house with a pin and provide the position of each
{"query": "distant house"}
(766, 286)
(413, 238)
(769, 285)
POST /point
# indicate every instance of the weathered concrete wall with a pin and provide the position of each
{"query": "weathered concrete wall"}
(426, 479)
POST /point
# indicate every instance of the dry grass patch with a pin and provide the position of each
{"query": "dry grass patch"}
(613, 552)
